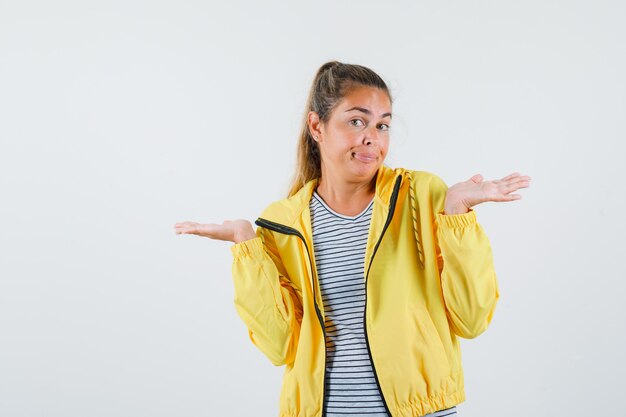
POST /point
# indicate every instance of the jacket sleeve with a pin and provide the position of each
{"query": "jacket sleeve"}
(265, 299)
(468, 279)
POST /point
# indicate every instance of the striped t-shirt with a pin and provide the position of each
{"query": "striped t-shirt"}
(339, 243)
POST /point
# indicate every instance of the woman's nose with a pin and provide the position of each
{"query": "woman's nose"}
(370, 135)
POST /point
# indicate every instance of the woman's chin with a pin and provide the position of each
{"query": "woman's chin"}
(365, 170)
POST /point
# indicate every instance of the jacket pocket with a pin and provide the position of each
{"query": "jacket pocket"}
(434, 345)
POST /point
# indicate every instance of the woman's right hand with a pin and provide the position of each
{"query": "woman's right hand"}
(230, 230)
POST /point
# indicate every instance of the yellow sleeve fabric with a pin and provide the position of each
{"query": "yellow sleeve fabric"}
(268, 304)
(468, 278)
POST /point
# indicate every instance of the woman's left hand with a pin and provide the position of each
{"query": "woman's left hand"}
(464, 195)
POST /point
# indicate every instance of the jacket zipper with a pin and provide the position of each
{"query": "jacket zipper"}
(281, 228)
(392, 206)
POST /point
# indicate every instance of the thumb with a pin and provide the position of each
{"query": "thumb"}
(477, 178)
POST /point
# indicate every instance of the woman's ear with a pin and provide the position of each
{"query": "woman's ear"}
(314, 124)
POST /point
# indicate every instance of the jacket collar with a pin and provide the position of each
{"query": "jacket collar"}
(289, 210)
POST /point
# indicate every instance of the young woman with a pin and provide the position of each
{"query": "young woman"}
(362, 280)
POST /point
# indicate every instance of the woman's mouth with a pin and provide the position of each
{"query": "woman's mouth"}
(365, 157)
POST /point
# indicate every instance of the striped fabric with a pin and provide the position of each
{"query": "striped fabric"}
(339, 243)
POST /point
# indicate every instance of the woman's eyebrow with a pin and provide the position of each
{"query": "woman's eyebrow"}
(366, 111)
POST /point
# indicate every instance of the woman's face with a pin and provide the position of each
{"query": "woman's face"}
(354, 141)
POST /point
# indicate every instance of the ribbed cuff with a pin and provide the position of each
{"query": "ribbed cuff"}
(456, 220)
(248, 248)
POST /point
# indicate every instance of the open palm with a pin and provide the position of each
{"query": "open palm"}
(475, 190)
(230, 230)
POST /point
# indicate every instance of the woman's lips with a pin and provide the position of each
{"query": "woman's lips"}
(365, 156)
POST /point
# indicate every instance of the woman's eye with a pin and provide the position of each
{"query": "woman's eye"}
(387, 127)
(356, 120)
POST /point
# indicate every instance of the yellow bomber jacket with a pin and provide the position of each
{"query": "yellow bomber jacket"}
(429, 279)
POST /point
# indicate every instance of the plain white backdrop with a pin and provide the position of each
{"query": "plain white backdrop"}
(120, 118)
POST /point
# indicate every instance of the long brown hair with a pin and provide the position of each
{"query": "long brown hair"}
(333, 81)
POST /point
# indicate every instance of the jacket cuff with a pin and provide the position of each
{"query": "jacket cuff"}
(456, 220)
(247, 248)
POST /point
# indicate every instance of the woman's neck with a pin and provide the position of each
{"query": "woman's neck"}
(344, 197)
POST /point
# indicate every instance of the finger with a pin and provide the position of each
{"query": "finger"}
(183, 224)
(514, 184)
(507, 178)
(189, 228)
(182, 227)
(517, 184)
(477, 178)
(510, 176)
(507, 197)
(518, 178)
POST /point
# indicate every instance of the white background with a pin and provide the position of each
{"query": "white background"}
(120, 118)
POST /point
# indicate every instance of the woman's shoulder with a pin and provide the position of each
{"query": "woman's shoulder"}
(285, 210)
(423, 180)
(428, 188)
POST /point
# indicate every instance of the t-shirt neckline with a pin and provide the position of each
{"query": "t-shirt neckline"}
(343, 216)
